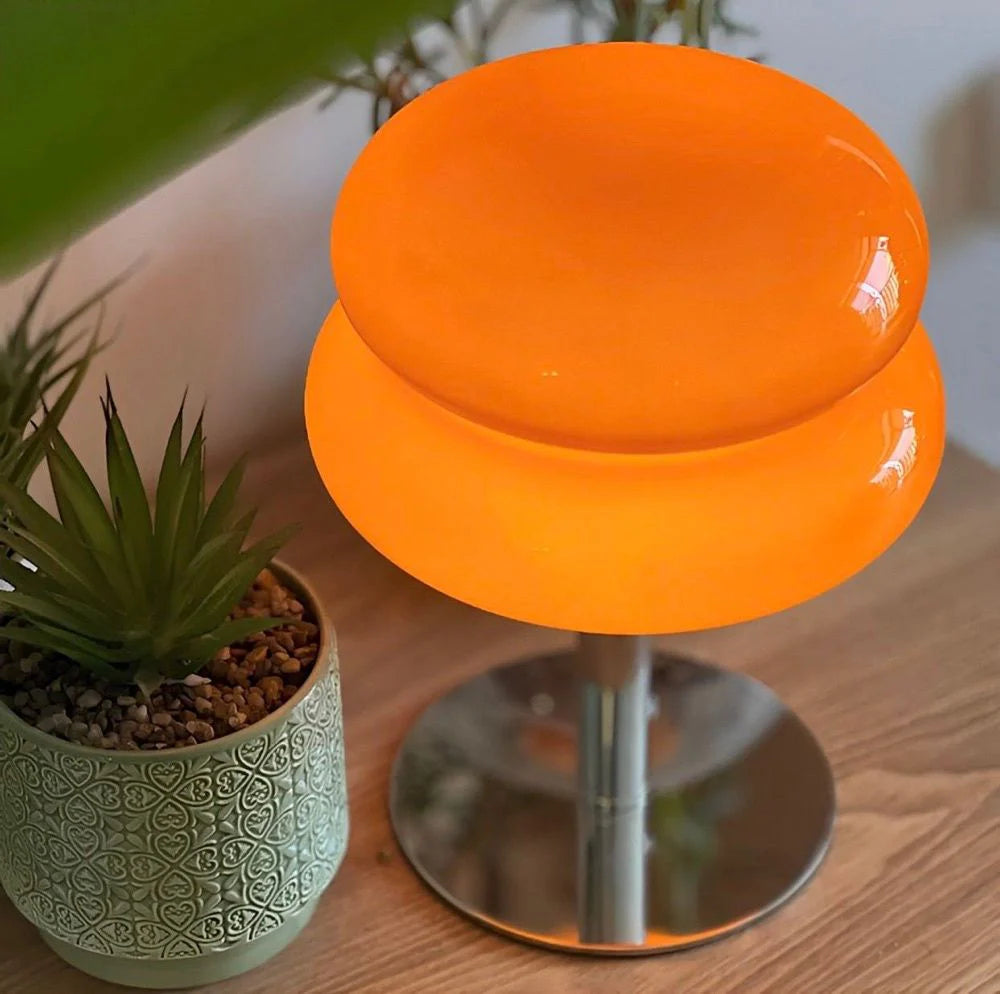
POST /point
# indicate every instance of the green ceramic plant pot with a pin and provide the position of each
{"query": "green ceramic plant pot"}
(182, 867)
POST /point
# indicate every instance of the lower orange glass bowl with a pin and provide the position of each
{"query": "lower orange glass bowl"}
(622, 544)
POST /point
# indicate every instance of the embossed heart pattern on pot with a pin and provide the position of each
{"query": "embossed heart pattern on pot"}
(154, 858)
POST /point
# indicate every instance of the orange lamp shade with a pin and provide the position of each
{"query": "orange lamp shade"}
(627, 341)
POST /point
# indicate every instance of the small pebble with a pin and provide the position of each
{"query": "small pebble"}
(88, 699)
(240, 686)
(256, 656)
(201, 731)
(271, 687)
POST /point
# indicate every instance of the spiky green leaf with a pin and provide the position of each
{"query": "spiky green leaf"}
(167, 486)
(226, 593)
(43, 540)
(204, 647)
(191, 500)
(137, 592)
(129, 502)
(222, 506)
(60, 642)
(58, 611)
(32, 366)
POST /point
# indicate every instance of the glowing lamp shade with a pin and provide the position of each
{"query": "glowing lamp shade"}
(627, 341)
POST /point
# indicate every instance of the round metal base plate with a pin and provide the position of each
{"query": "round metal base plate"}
(737, 812)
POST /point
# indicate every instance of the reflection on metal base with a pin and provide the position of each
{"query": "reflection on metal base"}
(594, 807)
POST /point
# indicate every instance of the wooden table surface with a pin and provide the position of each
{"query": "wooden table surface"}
(897, 672)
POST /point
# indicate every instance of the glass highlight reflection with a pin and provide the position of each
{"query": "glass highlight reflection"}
(877, 298)
(901, 448)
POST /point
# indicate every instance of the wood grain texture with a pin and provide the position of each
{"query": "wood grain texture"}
(897, 672)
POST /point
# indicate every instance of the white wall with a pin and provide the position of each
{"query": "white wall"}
(237, 281)
(910, 68)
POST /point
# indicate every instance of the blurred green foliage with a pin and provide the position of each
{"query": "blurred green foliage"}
(463, 37)
(101, 99)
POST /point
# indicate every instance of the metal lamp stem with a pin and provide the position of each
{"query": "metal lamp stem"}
(612, 759)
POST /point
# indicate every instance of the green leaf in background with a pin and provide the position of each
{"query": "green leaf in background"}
(33, 365)
(101, 99)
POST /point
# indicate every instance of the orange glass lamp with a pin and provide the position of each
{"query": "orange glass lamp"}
(627, 344)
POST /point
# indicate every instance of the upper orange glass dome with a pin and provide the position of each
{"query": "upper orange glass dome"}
(627, 341)
(630, 248)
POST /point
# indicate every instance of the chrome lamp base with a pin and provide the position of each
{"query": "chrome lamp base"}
(614, 800)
